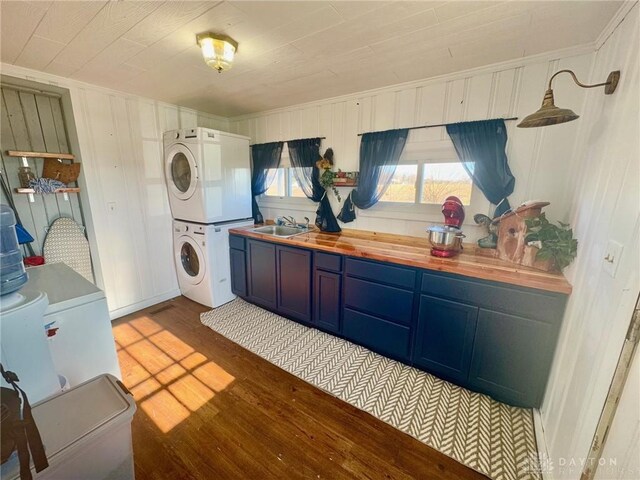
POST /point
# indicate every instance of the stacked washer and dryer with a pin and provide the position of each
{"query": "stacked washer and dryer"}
(208, 176)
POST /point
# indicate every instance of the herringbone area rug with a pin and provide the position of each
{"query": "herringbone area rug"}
(488, 436)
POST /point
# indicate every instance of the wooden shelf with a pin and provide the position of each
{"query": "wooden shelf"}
(61, 156)
(59, 190)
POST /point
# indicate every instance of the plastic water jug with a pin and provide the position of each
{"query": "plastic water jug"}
(12, 272)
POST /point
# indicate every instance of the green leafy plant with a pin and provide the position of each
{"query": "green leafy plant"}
(555, 242)
(327, 175)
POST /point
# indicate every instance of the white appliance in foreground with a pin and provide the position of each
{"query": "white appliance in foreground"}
(24, 349)
(201, 253)
(77, 321)
(208, 175)
(86, 432)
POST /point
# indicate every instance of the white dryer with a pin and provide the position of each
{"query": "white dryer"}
(201, 253)
(208, 175)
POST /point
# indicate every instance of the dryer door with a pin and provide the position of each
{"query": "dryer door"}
(190, 260)
(181, 171)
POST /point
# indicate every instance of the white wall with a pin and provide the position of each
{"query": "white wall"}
(124, 196)
(605, 206)
(623, 441)
(538, 157)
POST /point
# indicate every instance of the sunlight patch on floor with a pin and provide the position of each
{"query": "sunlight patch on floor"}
(168, 378)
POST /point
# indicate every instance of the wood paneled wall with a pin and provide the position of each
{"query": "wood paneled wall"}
(605, 207)
(125, 201)
(34, 122)
(539, 158)
(122, 137)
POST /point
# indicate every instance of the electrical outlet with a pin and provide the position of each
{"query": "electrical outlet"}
(612, 257)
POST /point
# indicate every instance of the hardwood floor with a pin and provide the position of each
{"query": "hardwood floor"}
(209, 409)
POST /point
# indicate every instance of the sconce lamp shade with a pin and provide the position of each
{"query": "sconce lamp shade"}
(548, 114)
(218, 51)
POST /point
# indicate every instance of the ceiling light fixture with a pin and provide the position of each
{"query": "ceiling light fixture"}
(218, 51)
(549, 114)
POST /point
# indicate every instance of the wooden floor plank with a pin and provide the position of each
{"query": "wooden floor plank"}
(207, 408)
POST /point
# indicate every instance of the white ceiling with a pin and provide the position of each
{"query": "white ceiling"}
(290, 52)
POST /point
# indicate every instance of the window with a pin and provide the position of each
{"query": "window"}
(284, 183)
(429, 183)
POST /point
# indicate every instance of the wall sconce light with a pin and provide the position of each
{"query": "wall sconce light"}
(218, 51)
(549, 114)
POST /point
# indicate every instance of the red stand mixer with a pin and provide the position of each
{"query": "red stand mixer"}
(446, 240)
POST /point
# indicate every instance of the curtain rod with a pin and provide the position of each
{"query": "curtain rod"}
(285, 141)
(444, 124)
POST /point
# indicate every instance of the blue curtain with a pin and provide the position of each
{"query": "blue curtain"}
(303, 155)
(264, 156)
(481, 149)
(379, 155)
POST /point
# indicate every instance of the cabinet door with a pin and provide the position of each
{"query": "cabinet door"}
(444, 337)
(238, 272)
(511, 357)
(261, 279)
(326, 299)
(294, 282)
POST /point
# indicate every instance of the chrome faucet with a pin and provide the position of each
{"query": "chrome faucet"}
(290, 221)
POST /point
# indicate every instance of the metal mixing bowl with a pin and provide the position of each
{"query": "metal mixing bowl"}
(444, 237)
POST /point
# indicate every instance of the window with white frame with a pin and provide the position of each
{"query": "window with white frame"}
(282, 181)
(429, 182)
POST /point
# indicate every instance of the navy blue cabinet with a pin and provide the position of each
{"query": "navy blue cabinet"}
(326, 300)
(444, 337)
(490, 337)
(511, 357)
(261, 273)
(294, 282)
(238, 272)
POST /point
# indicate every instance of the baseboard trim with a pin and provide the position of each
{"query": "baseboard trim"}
(541, 442)
(134, 307)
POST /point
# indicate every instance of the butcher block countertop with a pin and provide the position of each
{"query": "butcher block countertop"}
(414, 252)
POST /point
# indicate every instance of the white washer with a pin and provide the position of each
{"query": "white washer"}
(201, 253)
(208, 175)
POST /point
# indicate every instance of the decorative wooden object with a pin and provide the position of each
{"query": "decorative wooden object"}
(63, 172)
(345, 179)
(512, 231)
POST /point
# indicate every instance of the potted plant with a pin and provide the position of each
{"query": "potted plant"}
(554, 245)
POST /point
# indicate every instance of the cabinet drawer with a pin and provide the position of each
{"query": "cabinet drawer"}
(236, 242)
(536, 304)
(380, 335)
(391, 275)
(328, 261)
(393, 304)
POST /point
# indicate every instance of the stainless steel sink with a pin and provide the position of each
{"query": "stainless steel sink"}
(281, 230)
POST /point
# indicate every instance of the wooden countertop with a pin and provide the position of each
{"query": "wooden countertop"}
(415, 252)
